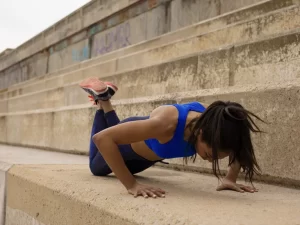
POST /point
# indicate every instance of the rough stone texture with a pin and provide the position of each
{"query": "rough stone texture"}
(4, 167)
(3, 94)
(77, 123)
(213, 69)
(149, 24)
(273, 59)
(157, 23)
(128, 33)
(140, 28)
(18, 217)
(191, 11)
(70, 55)
(187, 13)
(52, 98)
(195, 30)
(271, 24)
(71, 195)
(3, 106)
(40, 127)
(35, 66)
(3, 131)
(2, 82)
(14, 75)
(67, 78)
(51, 130)
(19, 155)
(62, 29)
(29, 156)
(227, 6)
(208, 9)
(175, 76)
(14, 155)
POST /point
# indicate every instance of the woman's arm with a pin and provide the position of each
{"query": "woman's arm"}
(233, 171)
(229, 181)
(107, 142)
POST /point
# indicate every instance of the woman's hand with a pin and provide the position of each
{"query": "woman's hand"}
(231, 185)
(146, 191)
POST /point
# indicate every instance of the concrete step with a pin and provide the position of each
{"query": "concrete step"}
(11, 156)
(68, 194)
(68, 129)
(271, 59)
(109, 64)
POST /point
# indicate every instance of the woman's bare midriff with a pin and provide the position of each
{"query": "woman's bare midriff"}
(143, 150)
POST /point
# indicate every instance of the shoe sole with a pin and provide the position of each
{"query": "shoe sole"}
(112, 86)
(94, 86)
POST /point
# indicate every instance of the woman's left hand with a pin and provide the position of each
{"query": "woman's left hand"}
(230, 185)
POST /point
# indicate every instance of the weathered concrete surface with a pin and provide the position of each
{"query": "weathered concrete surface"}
(55, 99)
(20, 155)
(70, 55)
(256, 62)
(78, 20)
(14, 155)
(137, 29)
(68, 129)
(22, 218)
(278, 22)
(71, 195)
(197, 29)
(4, 167)
(3, 132)
(3, 106)
(142, 22)
(189, 12)
(272, 59)
(229, 6)
(51, 130)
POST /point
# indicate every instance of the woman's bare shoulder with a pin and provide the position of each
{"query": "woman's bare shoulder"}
(167, 114)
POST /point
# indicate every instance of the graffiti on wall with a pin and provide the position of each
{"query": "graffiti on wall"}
(79, 55)
(116, 38)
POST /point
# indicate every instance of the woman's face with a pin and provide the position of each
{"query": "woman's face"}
(205, 152)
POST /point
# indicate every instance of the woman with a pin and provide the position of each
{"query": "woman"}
(170, 131)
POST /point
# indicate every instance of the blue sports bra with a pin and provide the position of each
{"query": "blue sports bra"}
(177, 146)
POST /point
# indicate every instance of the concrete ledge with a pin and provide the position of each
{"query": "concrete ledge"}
(14, 155)
(190, 33)
(4, 167)
(69, 194)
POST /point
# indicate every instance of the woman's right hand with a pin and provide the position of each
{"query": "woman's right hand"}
(146, 191)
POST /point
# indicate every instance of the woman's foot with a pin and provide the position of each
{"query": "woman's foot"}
(98, 90)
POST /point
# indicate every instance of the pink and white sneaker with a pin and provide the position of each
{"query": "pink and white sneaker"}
(98, 89)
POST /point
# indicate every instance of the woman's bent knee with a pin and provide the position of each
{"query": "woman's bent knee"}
(98, 171)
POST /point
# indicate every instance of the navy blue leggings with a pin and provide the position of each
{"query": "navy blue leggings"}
(133, 161)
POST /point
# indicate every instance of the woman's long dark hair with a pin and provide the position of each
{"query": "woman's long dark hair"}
(226, 127)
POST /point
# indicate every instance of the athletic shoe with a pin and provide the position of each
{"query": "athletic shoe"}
(98, 90)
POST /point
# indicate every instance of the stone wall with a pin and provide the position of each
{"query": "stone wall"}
(103, 26)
